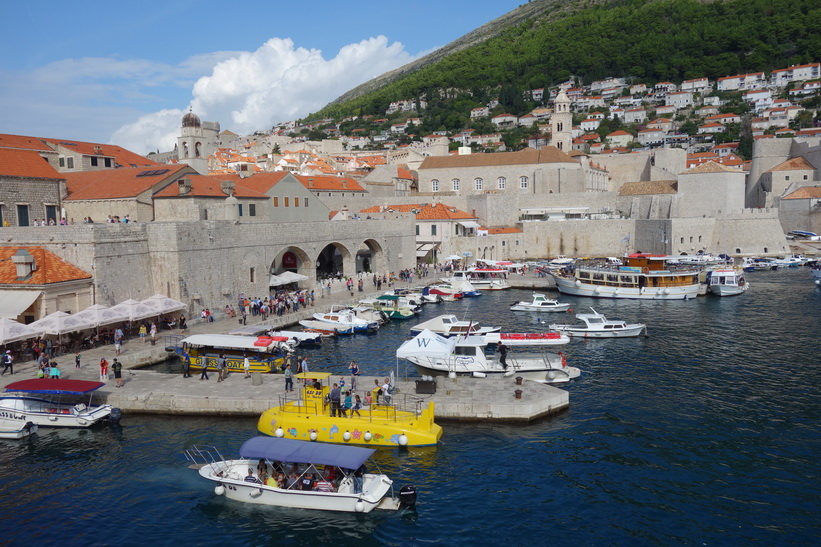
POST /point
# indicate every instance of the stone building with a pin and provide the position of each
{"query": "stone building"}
(197, 141)
(31, 189)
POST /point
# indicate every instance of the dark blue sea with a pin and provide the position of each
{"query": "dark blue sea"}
(708, 432)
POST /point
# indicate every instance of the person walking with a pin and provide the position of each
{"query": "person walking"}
(7, 363)
(117, 367)
(246, 366)
(143, 332)
(289, 378)
(354, 374)
(54, 372)
(183, 325)
(503, 355)
(77, 360)
(153, 332)
(204, 373)
(186, 365)
(103, 369)
(118, 341)
(222, 368)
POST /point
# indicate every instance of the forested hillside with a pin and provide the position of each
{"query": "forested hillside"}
(651, 41)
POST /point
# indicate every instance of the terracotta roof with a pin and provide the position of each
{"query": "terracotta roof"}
(437, 211)
(807, 192)
(120, 183)
(26, 163)
(123, 157)
(528, 156)
(648, 187)
(330, 183)
(710, 167)
(50, 267)
(210, 186)
(793, 164)
(498, 231)
(24, 143)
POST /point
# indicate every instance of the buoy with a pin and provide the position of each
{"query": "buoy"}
(403, 440)
(368, 436)
(346, 436)
(551, 375)
(219, 490)
(359, 507)
(452, 374)
(279, 433)
(569, 310)
(313, 435)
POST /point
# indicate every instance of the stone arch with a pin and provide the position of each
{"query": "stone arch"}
(333, 259)
(371, 257)
(293, 259)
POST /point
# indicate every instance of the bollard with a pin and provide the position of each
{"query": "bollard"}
(519, 380)
(518, 393)
(256, 378)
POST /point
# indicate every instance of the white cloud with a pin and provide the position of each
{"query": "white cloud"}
(251, 91)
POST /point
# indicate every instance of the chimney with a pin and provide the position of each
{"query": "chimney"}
(184, 186)
(227, 187)
(25, 264)
(344, 184)
(98, 149)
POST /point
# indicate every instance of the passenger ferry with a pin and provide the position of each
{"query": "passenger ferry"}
(644, 276)
(265, 353)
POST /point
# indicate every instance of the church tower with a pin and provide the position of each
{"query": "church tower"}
(561, 123)
(196, 142)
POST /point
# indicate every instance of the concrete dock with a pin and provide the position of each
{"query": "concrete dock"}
(151, 392)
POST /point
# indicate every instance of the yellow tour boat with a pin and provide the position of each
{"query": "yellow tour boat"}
(403, 422)
(264, 353)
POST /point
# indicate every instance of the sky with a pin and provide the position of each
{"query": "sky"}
(126, 72)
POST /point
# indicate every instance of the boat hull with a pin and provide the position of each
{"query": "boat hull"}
(558, 375)
(12, 429)
(577, 288)
(581, 332)
(728, 290)
(529, 307)
(47, 413)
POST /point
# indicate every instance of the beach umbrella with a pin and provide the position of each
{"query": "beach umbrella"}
(135, 310)
(291, 277)
(164, 303)
(61, 322)
(101, 315)
(12, 331)
(276, 281)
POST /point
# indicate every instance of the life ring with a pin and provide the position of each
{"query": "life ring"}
(645, 269)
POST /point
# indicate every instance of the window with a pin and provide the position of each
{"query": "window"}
(417, 228)
(786, 178)
(107, 162)
(240, 208)
(691, 239)
(23, 215)
(504, 243)
(455, 184)
(682, 240)
(287, 202)
(70, 163)
(502, 183)
(523, 183)
(805, 177)
(478, 183)
(253, 273)
(699, 239)
(276, 201)
(1, 218)
(434, 185)
(252, 209)
(433, 229)
(94, 161)
(62, 161)
(296, 202)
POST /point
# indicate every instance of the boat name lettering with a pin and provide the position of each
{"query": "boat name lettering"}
(12, 415)
(630, 269)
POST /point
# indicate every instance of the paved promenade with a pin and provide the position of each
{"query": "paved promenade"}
(146, 391)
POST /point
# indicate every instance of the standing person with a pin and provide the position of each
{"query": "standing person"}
(347, 405)
(289, 378)
(246, 366)
(204, 372)
(117, 367)
(7, 363)
(503, 355)
(183, 325)
(222, 368)
(186, 365)
(153, 332)
(387, 391)
(356, 407)
(55, 371)
(103, 369)
(335, 400)
(143, 332)
(118, 340)
(244, 316)
(77, 360)
(354, 374)
(377, 390)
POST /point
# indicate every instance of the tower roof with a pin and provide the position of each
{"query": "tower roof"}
(191, 120)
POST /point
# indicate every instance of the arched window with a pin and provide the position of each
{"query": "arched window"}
(523, 183)
(197, 150)
(501, 183)
(455, 183)
(478, 183)
(185, 150)
(434, 185)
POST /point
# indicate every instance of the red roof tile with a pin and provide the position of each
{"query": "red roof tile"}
(26, 163)
(119, 183)
(50, 267)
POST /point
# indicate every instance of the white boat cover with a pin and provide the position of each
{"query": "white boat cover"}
(296, 451)
(226, 341)
(426, 344)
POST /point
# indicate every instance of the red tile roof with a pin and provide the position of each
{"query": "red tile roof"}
(437, 211)
(330, 183)
(211, 186)
(119, 183)
(123, 157)
(50, 267)
(23, 143)
(26, 163)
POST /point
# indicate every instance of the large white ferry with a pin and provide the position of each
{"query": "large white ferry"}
(644, 276)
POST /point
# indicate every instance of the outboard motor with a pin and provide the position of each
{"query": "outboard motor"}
(407, 497)
(115, 415)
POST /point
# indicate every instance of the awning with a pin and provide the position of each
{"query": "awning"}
(296, 451)
(469, 224)
(13, 303)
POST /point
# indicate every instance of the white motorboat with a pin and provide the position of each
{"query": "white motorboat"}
(539, 303)
(16, 429)
(755, 264)
(560, 262)
(445, 292)
(792, 261)
(351, 489)
(527, 338)
(727, 282)
(322, 328)
(301, 337)
(55, 403)
(597, 325)
(488, 279)
(345, 319)
(437, 355)
(450, 325)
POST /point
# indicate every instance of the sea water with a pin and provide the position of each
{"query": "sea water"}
(704, 433)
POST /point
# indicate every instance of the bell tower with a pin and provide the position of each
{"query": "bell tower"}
(561, 123)
(191, 144)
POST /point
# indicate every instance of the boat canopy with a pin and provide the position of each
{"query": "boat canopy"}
(313, 376)
(296, 451)
(226, 341)
(426, 344)
(54, 386)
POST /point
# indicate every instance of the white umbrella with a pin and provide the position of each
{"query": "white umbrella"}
(60, 322)
(165, 303)
(134, 310)
(453, 257)
(291, 277)
(101, 315)
(276, 281)
(12, 331)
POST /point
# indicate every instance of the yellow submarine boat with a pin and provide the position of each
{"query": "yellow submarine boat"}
(309, 418)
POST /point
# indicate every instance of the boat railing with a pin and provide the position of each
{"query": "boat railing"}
(399, 406)
(203, 455)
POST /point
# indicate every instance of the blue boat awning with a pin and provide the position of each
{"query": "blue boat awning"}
(295, 451)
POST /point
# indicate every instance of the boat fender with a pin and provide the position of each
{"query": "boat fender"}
(279, 433)
(551, 375)
(359, 506)
(477, 374)
(346, 436)
(312, 436)
(403, 440)
(219, 490)
(256, 493)
(368, 436)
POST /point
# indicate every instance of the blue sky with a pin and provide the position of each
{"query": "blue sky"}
(126, 72)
